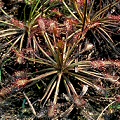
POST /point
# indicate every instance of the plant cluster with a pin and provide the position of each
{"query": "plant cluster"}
(66, 46)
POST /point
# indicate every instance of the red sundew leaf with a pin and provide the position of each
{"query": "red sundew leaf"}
(69, 23)
(20, 75)
(41, 23)
(20, 59)
(104, 63)
(53, 27)
(21, 83)
(18, 23)
(35, 31)
(5, 91)
(79, 101)
(81, 2)
(77, 36)
(114, 17)
(112, 78)
(95, 24)
(99, 64)
(49, 25)
(56, 32)
(87, 28)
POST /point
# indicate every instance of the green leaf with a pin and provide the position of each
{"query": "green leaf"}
(38, 86)
(23, 104)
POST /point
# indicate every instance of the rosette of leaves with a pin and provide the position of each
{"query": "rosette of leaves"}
(20, 34)
(57, 60)
(95, 18)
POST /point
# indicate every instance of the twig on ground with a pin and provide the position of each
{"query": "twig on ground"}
(99, 117)
(30, 104)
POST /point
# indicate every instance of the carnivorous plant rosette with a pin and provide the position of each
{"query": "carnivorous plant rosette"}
(58, 65)
(100, 23)
(20, 34)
